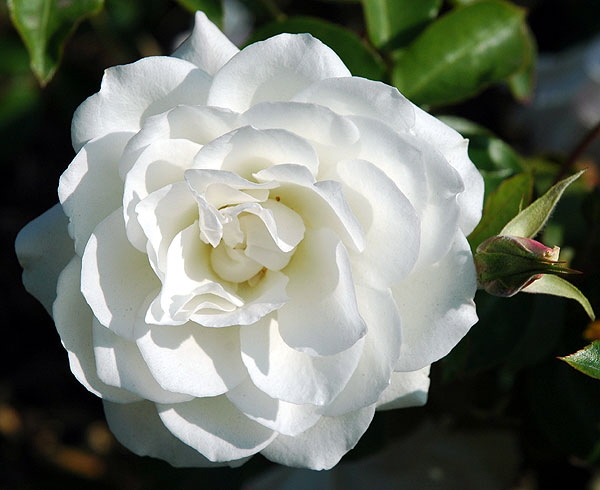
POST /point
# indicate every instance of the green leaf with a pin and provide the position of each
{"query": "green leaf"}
(531, 220)
(359, 58)
(212, 8)
(557, 286)
(45, 26)
(522, 83)
(461, 53)
(393, 23)
(501, 206)
(586, 360)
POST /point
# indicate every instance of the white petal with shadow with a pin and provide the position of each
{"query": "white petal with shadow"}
(283, 417)
(90, 189)
(287, 374)
(73, 319)
(436, 306)
(116, 278)
(322, 446)
(273, 70)
(45, 236)
(130, 93)
(322, 317)
(215, 428)
(138, 427)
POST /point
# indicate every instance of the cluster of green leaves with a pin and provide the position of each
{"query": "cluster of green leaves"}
(433, 59)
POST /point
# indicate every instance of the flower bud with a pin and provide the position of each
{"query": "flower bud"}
(507, 264)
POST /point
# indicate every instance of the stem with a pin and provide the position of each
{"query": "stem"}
(579, 149)
(273, 9)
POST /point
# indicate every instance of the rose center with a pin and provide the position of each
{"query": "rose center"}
(255, 238)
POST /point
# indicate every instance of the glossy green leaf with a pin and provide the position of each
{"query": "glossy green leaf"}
(393, 23)
(45, 25)
(212, 8)
(461, 53)
(586, 360)
(522, 83)
(531, 220)
(501, 206)
(359, 58)
(557, 286)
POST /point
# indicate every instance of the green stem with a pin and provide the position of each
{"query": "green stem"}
(577, 152)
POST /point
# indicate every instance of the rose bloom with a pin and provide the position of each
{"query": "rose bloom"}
(254, 251)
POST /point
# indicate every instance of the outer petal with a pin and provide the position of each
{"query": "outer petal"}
(405, 390)
(273, 70)
(361, 97)
(391, 225)
(286, 374)
(207, 47)
(322, 316)
(130, 93)
(454, 148)
(436, 306)
(380, 353)
(90, 189)
(323, 445)
(215, 428)
(138, 427)
(119, 363)
(115, 277)
(286, 418)
(44, 248)
(73, 319)
(192, 359)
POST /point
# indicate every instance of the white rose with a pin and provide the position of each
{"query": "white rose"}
(261, 251)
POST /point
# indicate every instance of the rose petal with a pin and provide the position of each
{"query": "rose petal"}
(321, 204)
(162, 215)
(138, 427)
(159, 164)
(130, 93)
(116, 278)
(248, 150)
(454, 148)
(361, 97)
(207, 47)
(380, 353)
(197, 124)
(323, 445)
(436, 306)
(90, 189)
(333, 136)
(286, 418)
(273, 70)
(119, 363)
(259, 300)
(322, 316)
(73, 319)
(192, 359)
(396, 154)
(391, 225)
(188, 278)
(215, 428)
(405, 390)
(286, 374)
(46, 236)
